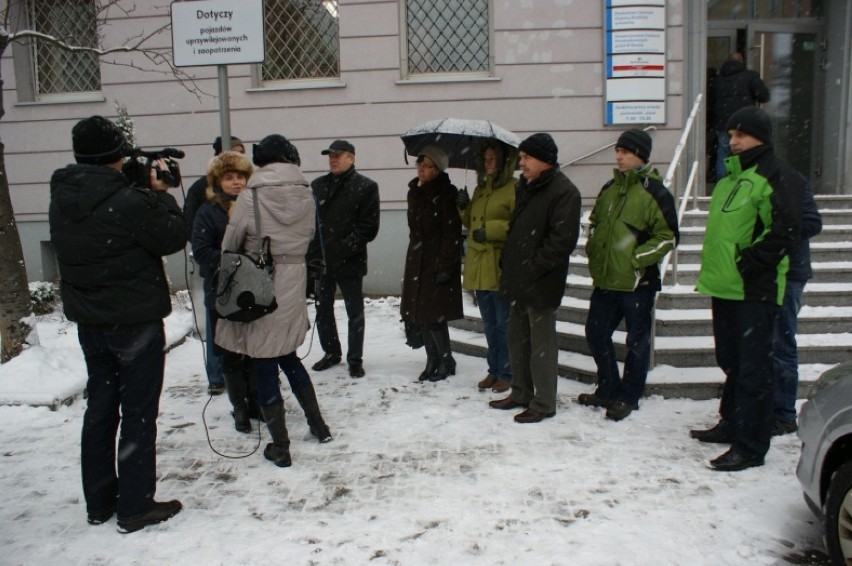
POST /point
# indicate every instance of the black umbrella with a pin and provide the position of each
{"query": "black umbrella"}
(458, 138)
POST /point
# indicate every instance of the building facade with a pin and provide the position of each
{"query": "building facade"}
(368, 70)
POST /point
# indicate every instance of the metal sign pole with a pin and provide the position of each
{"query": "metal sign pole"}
(224, 108)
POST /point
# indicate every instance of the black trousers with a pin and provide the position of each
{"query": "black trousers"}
(125, 368)
(743, 333)
(353, 300)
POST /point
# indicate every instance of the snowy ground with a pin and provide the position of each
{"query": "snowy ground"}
(416, 474)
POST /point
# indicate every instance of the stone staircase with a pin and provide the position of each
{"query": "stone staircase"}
(683, 354)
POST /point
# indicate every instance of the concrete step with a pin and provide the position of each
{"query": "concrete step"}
(699, 383)
(698, 322)
(687, 274)
(694, 235)
(830, 217)
(685, 297)
(683, 351)
(821, 252)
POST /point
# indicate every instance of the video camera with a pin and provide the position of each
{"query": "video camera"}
(137, 168)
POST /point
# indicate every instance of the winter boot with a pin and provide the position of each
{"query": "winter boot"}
(307, 398)
(278, 451)
(236, 386)
(431, 355)
(446, 364)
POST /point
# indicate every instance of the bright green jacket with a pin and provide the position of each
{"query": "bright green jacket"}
(753, 223)
(632, 227)
(490, 207)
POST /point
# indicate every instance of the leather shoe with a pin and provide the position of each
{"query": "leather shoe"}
(593, 400)
(160, 511)
(620, 410)
(734, 461)
(532, 416)
(487, 383)
(505, 404)
(326, 362)
(501, 386)
(719, 434)
(356, 369)
(100, 517)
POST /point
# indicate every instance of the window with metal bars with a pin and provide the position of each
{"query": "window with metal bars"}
(302, 40)
(57, 70)
(447, 36)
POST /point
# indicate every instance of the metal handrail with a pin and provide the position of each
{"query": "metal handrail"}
(669, 181)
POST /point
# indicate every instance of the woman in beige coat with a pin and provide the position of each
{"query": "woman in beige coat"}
(287, 217)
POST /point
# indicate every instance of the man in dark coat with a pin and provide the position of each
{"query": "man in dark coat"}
(734, 87)
(348, 210)
(543, 232)
(109, 240)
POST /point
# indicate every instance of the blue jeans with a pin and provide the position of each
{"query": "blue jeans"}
(606, 311)
(214, 355)
(495, 314)
(723, 150)
(785, 358)
(125, 377)
(353, 299)
(266, 373)
(743, 333)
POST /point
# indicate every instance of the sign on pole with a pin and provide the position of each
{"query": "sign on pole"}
(217, 32)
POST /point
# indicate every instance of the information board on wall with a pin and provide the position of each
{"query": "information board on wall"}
(217, 32)
(635, 62)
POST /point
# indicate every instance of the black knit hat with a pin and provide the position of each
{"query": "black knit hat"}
(275, 148)
(217, 143)
(97, 141)
(542, 147)
(636, 142)
(753, 121)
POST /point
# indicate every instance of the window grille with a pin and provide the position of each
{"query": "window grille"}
(447, 36)
(57, 70)
(302, 40)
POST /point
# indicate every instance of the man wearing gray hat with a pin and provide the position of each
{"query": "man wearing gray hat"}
(348, 211)
(633, 225)
(753, 224)
(543, 231)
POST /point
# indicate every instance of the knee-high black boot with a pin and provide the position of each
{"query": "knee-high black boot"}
(237, 387)
(278, 451)
(307, 398)
(446, 365)
(431, 355)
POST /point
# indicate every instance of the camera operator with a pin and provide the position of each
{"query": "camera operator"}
(109, 237)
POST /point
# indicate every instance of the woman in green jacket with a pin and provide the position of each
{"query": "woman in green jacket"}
(486, 217)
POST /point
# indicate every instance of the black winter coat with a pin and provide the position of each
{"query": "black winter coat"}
(434, 246)
(735, 87)
(543, 232)
(348, 207)
(800, 256)
(109, 240)
(196, 196)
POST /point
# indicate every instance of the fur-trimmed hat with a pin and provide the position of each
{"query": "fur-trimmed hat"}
(542, 147)
(753, 121)
(637, 142)
(275, 148)
(437, 155)
(226, 162)
(98, 141)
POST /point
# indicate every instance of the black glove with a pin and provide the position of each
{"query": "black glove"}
(462, 199)
(478, 235)
(442, 278)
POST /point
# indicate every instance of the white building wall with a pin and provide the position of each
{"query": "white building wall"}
(548, 76)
